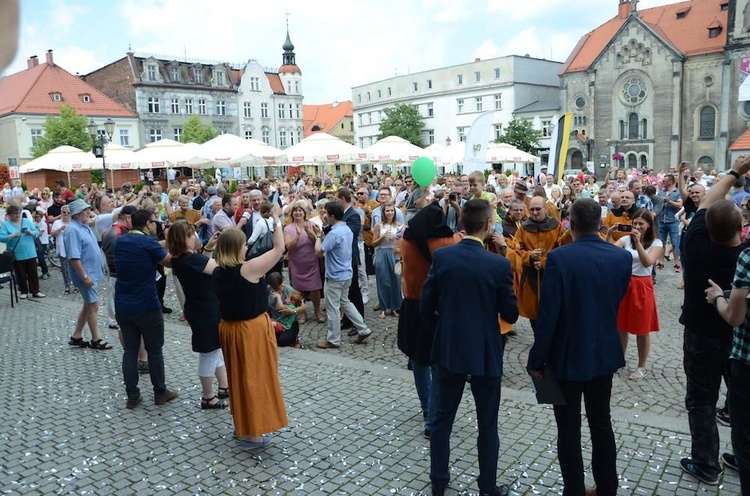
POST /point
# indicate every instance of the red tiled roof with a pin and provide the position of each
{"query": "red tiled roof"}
(326, 116)
(30, 92)
(688, 35)
(742, 143)
(275, 81)
(289, 69)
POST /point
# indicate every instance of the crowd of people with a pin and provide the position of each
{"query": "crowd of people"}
(456, 262)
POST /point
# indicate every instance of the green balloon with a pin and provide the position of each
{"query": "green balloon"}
(423, 171)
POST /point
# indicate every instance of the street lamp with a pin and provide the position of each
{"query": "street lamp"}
(448, 141)
(100, 141)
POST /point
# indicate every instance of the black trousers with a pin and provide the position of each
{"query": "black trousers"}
(355, 296)
(596, 396)
(739, 377)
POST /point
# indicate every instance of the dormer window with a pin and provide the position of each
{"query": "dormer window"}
(86, 98)
(219, 78)
(714, 32)
(681, 14)
(57, 97)
(724, 6)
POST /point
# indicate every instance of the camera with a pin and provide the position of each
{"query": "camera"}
(625, 228)
(452, 197)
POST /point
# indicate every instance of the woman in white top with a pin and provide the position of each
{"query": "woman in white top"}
(58, 228)
(262, 226)
(388, 282)
(637, 314)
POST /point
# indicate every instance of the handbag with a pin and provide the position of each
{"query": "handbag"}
(262, 244)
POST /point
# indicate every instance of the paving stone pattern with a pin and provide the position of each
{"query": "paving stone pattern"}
(354, 420)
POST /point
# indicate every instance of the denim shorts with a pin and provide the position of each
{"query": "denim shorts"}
(89, 295)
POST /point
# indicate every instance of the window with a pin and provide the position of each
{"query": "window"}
(645, 128)
(460, 103)
(291, 138)
(477, 76)
(291, 114)
(57, 97)
(359, 98)
(254, 83)
(264, 110)
(86, 98)
(368, 96)
(361, 119)
(175, 105)
(724, 6)
(632, 161)
(380, 94)
(177, 133)
(633, 91)
(175, 73)
(248, 135)
(153, 104)
(497, 130)
(221, 107)
(202, 106)
(151, 71)
(430, 110)
(428, 137)
(498, 102)
(497, 73)
(644, 161)
(154, 135)
(580, 102)
(299, 111)
(124, 137)
(461, 134)
(429, 84)
(546, 129)
(415, 87)
(706, 162)
(633, 126)
(460, 79)
(247, 110)
(282, 111)
(478, 105)
(282, 138)
(622, 130)
(188, 106)
(714, 32)
(289, 85)
(707, 122)
(266, 136)
(36, 135)
(389, 91)
(199, 75)
(220, 78)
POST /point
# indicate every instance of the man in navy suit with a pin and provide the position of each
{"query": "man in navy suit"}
(466, 289)
(576, 334)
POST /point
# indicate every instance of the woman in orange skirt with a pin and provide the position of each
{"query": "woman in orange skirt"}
(637, 314)
(247, 338)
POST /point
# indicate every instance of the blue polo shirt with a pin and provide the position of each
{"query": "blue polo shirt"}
(81, 244)
(136, 258)
(337, 246)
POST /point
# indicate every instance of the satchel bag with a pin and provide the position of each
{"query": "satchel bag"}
(262, 244)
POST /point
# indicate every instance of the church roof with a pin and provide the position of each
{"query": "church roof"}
(34, 90)
(684, 26)
(325, 117)
(289, 69)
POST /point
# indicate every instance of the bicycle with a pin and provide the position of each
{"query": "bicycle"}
(53, 259)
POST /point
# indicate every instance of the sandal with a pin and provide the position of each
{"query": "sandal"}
(660, 266)
(382, 315)
(223, 393)
(638, 374)
(207, 405)
(100, 344)
(78, 342)
(320, 319)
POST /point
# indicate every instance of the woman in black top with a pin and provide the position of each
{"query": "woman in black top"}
(247, 338)
(194, 270)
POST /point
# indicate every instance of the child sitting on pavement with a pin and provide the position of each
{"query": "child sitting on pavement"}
(284, 314)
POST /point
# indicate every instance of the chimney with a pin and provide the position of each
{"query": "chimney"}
(625, 8)
(32, 62)
(50, 60)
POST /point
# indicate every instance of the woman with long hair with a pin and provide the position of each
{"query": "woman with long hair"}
(637, 314)
(304, 267)
(248, 339)
(194, 270)
(388, 282)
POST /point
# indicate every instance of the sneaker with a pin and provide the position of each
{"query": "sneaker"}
(426, 434)
(130, 404)
(23, 296)
(722, 417)
(165, 397)
(45, 276)
(362, 336)
(40, 295)
(730, 461)
(691, 468)
(142, 367)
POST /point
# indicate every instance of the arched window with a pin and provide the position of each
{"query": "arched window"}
(633, 126)
(632, 161)
(706, 162)
(644, 161)
(707, 122)
(645, 128)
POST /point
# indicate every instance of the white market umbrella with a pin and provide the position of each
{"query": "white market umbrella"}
(323, 148)
(507, 153)
(164, 153)
(63, 158)
(447, 155)
(230, 150)
(394, 149)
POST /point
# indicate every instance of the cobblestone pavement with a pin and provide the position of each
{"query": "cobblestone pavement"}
(354, 420)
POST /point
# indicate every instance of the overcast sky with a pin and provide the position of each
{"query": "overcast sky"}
(338, 43)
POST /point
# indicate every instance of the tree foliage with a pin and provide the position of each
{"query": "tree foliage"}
(193, 130)
(522, 135)
(4, 174)
(402, 120)
(68, 128)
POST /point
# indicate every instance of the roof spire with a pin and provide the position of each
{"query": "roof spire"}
(288, 58)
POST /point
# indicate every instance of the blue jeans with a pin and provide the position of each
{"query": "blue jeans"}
(673, 230)
(426, 391)
(739, 406)
(450, 389)
(150, 326)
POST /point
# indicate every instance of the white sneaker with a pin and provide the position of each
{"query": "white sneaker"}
(24, 296)
(39, 295)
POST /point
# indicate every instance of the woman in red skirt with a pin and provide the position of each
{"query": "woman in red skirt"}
(637, 313)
